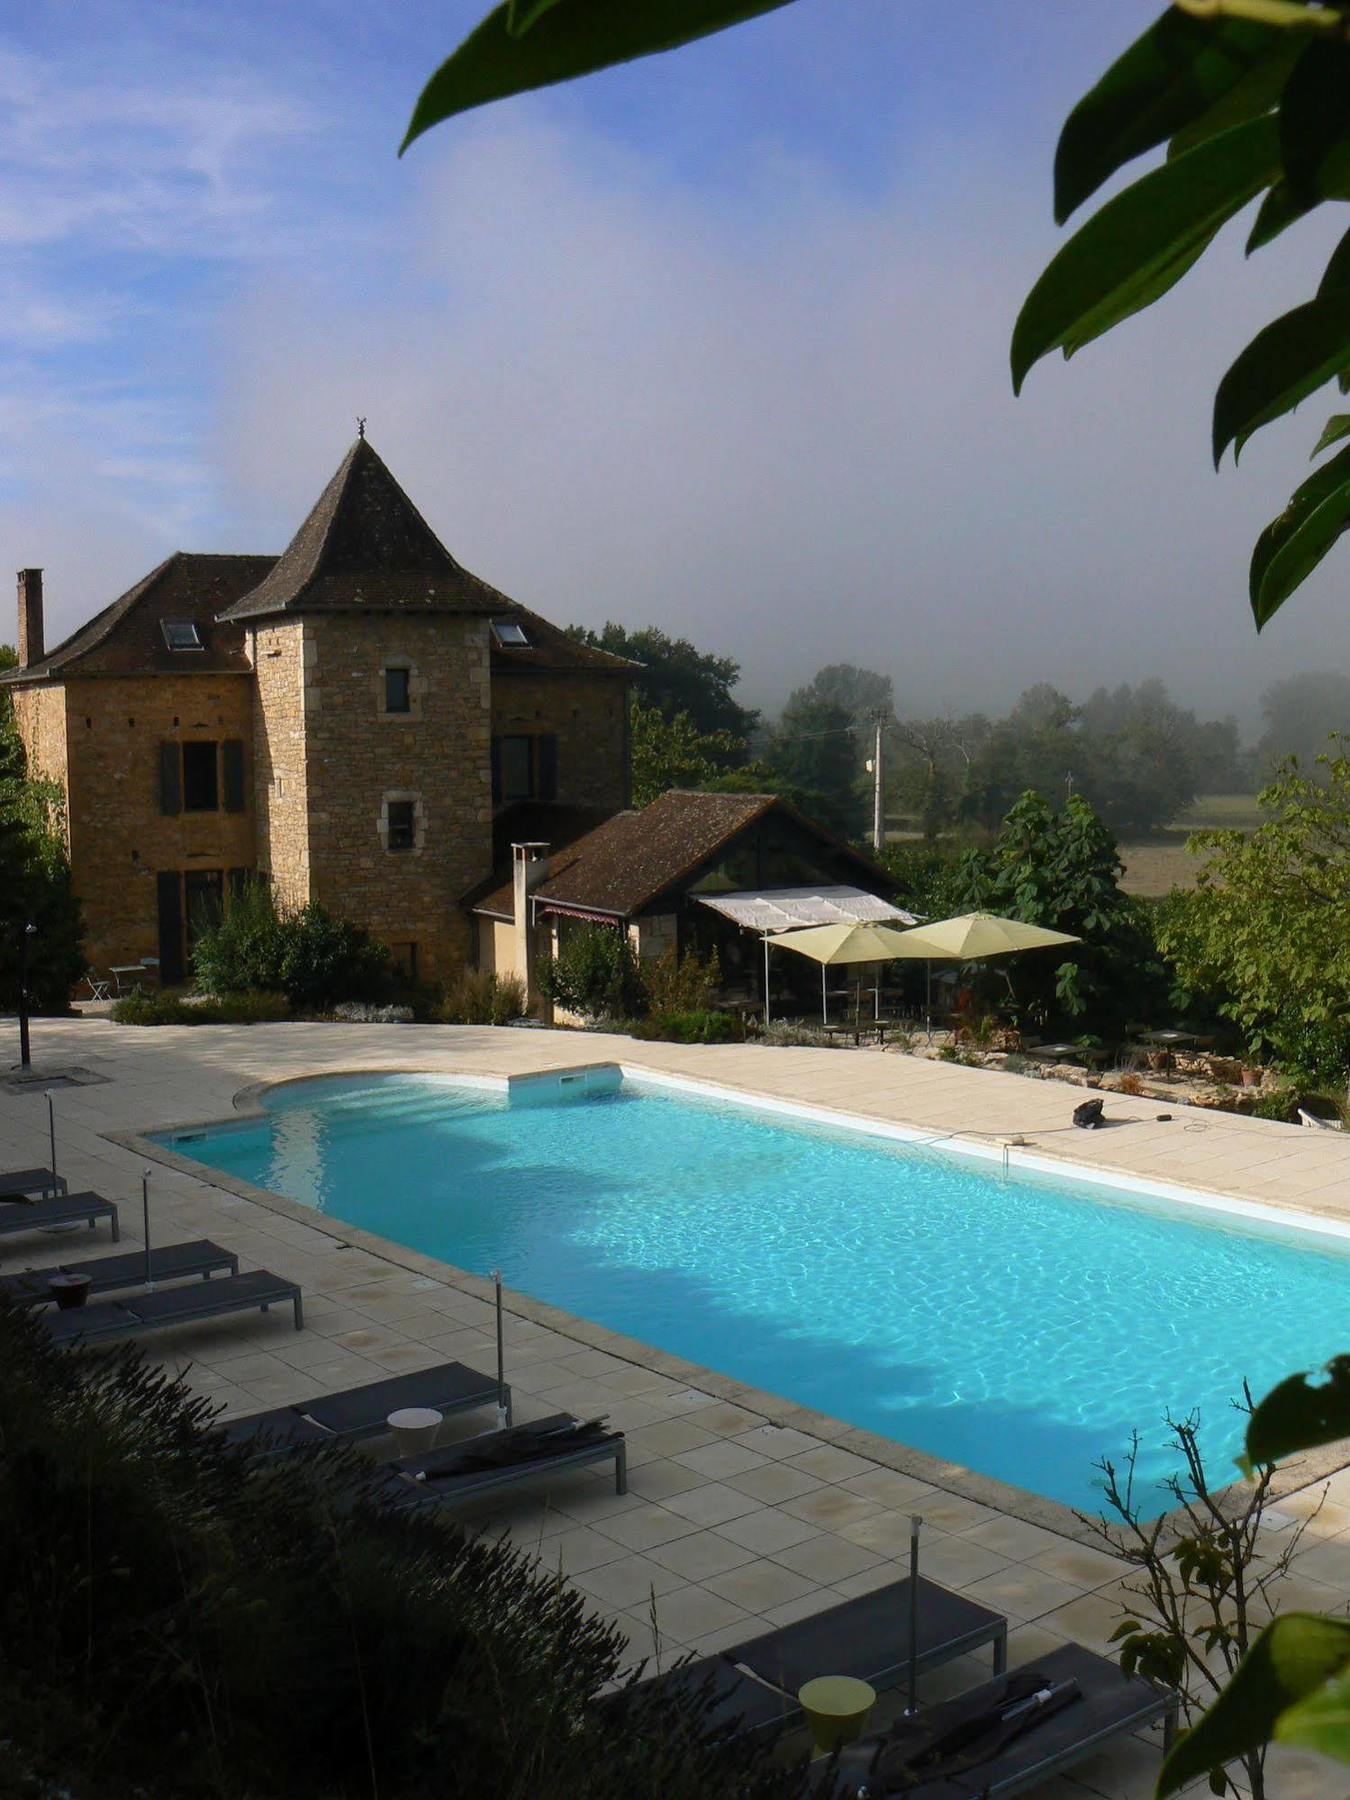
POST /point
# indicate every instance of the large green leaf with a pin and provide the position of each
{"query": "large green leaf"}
(1141, 243)
(1336, 427)
(1282, 365)
(1315, 118)
(1295, 1416)
(1280, 209)
(1291, 546)
(1293, 1657)
(531, 44)
(1171, 77)
(1337, 272)
(1322, 1721)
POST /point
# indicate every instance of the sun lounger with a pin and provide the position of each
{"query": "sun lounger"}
(521, 1453)
(753, 1686)
(30, 1181)
(198, 1300)
(61, 1209)
(363, 1412)
(985, 1754)
(168, 1262)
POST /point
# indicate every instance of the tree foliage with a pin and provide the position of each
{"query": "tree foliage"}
(674, 677)
(670, 753)
(1301, 712)
(1267, 923)
(814, 749)
(304, 952)
(596, 974)
(36, 887)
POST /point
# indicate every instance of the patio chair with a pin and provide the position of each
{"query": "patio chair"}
(61, 1209)
(168, 1262)
(30, 1181)
(1316, 1123)
(363, 1412)
(255, 1292)
(1005, 1736)
(752, 1688)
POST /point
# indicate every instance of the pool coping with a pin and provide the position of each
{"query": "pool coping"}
(774, 1409)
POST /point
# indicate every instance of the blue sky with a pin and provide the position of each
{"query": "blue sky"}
(717, 341)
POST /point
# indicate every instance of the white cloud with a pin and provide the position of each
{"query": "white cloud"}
(786, 428)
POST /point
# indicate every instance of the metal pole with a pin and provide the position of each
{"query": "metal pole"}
(912, 1703)
(824, 1003)
(501, 1355)
(878, 790)
(51, 1133)
(766, 977)
(145, 1223)
(25, 1054)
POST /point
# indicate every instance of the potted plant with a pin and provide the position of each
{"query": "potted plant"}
(70, 1291)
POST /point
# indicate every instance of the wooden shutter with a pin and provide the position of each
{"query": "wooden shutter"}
(496, 771)
(232, 773)
(546, 766)
(170, 778)
(169, 899)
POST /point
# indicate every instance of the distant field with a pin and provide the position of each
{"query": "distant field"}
(1159, 864)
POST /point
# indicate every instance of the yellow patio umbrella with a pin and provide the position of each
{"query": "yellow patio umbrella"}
(827, 944)
(973, 937)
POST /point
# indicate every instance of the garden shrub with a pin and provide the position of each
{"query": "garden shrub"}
(183, 1622)
(595, 973)
(786, 1033)
(179, 1009)
(700, 1027)
(304, 952)
(682, 984)
(482, 997)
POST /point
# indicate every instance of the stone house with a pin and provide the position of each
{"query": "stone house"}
(346, 719)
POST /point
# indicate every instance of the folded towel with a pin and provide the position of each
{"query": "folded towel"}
(517, 1444)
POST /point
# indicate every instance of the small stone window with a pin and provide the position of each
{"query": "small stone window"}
(402, 825)
(397, 689)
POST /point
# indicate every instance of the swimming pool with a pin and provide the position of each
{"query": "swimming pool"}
(1020, 1325)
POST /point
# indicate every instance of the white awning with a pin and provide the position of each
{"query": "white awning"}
(784, 909)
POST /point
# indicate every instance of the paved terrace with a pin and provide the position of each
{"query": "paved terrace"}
(738, 1518)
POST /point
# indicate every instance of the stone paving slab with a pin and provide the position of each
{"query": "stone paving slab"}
(743, 1512)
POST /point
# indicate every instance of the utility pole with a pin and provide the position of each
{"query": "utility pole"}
(879, 785)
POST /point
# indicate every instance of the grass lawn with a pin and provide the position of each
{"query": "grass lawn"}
(1155, 865)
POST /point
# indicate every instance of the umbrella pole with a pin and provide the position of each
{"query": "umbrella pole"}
(912, 1703)
(766, 977)
(824, 1003)
(145, 1223)
(501, 1354)
(51, 1134)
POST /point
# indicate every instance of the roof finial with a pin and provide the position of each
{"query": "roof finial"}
(361, 429)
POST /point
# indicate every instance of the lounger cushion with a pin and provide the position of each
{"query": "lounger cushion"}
(736, 1702)
(868, 1638)
(172, 1306)
(558, 1435)
(168, 1262)
(450, 1387)
(1111, 1705)
(30, 1181)
(64, 1209)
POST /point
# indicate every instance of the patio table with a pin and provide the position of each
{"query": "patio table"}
(1169, 1041)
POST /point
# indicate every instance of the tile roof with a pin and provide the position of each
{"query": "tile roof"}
(126, 639)
(624, 864)
(550, 650)
(365, 546)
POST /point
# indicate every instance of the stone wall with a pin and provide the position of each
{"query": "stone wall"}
(119, 838)
(358, 759)
(40, 714)
(589, 716)
(280, 776)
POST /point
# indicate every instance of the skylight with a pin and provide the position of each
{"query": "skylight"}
(181, 634)
(509, 631)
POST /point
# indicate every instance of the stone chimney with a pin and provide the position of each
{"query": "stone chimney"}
(529, 866)
(31, 638)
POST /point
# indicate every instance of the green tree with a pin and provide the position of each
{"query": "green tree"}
(675, 677)
(1062, 870)
(36, 888)
(674, 753)
(1301, 712)
(1266, 925)
(814, 748)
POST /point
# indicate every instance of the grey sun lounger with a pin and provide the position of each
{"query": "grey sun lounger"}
(168, 1262)
(496, 1459)
(363, 1412)
(1107, 1705)
(61, 1209)
(31, 1181)
(254, 1292)
(752, 1687)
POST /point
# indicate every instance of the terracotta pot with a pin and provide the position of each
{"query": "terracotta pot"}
(1250, 1077)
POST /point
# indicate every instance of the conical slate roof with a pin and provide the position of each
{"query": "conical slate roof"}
(365, 547)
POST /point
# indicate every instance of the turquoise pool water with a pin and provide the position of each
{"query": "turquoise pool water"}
(1022, 1327)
